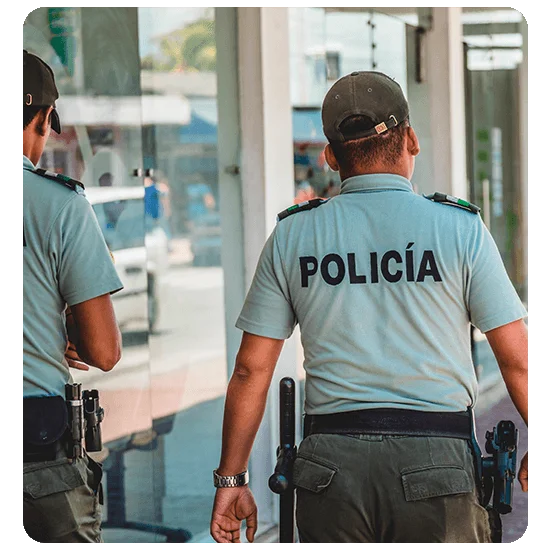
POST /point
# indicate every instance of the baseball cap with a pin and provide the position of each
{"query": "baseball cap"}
(39, 87)
(363, 93)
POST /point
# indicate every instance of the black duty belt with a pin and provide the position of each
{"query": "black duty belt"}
(391, 422)
(44, 453)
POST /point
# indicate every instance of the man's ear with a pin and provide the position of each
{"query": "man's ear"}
(43, 124)
(330, 158)
(413, 147)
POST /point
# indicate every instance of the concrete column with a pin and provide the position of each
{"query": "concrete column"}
(266, 124)
(267, 187)
(229, 151)
(444, 59)
(417, 96)
(256, 182)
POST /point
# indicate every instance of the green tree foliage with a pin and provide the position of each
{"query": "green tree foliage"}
(192, 48)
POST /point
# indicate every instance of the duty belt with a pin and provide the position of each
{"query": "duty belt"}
(44, 453)
(391, 422)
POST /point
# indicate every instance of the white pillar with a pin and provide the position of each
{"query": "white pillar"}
(267, 175)
(445, 77)
(229, 150)
(266, 124)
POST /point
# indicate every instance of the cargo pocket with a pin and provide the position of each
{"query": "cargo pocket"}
(435, 481)
(312, 474)
(47, 510)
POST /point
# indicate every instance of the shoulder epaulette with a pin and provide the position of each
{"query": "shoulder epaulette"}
(453, 201)
(60, 178)
(295, 208)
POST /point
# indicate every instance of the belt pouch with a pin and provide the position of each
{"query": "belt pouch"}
(44, 423)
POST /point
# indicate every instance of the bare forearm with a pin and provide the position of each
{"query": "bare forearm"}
(516, 383)
(509, 344)
(244, 409)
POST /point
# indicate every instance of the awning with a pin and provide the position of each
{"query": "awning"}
(123, 110)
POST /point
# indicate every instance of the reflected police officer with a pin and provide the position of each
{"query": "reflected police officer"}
(68, 321)
(384, 285)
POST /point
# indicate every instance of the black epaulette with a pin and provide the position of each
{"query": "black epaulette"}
(453, 201)
(60, 178)
(295, 208)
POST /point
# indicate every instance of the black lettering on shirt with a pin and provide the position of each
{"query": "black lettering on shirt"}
(326, 261)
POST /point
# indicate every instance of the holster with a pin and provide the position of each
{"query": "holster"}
(495, 522)
(44, 427)
(484, 486)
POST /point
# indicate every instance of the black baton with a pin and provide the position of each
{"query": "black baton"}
(281, 480)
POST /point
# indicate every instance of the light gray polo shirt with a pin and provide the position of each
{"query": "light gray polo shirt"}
(65, 261)
(384, 285)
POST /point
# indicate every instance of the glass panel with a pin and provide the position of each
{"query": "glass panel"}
(493, 109)
(187, 338)
(492, 115)
(94, 55)
(324, 46)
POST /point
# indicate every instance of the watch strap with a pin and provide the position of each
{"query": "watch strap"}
(238, 480)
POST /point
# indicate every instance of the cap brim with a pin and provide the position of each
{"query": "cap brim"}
(56, 124)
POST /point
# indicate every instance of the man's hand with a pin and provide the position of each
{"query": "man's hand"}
(73, 359)
(522, 476)
(231, 507)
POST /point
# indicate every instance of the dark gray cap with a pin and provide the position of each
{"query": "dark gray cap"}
(39, 87)
(367, 93)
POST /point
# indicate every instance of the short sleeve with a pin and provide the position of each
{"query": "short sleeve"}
(267, 310)
(84, 265)
(490, 296)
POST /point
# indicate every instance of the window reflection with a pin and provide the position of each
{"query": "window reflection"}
(139, 98)
(187, 343)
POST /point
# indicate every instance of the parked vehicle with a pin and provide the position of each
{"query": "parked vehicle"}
(140, 256)
(206, 240)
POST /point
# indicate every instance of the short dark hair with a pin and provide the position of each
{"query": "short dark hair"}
(385, 147)
(31, 111)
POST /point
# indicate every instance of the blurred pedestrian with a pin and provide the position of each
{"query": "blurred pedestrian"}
(68, 321)
(304, 190)
(384, 290)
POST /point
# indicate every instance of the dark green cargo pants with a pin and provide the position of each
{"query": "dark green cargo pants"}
(61, 500)
(387, 489)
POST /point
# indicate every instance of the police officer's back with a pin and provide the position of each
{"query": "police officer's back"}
(384, 284)
(68, 320)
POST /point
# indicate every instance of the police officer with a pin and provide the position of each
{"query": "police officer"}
(68, 321)
(384, 284)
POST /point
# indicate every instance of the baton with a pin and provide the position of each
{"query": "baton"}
(281, 480)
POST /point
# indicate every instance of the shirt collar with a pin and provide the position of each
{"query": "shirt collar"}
(375, 182)
(27, 164)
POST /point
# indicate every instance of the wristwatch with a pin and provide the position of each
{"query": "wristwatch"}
(230, 481)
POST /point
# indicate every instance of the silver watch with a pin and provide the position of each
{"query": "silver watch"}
(230, 481)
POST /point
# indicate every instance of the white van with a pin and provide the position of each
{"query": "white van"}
(140, 256)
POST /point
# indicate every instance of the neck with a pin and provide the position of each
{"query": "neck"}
(32, 148)
(397, 169)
